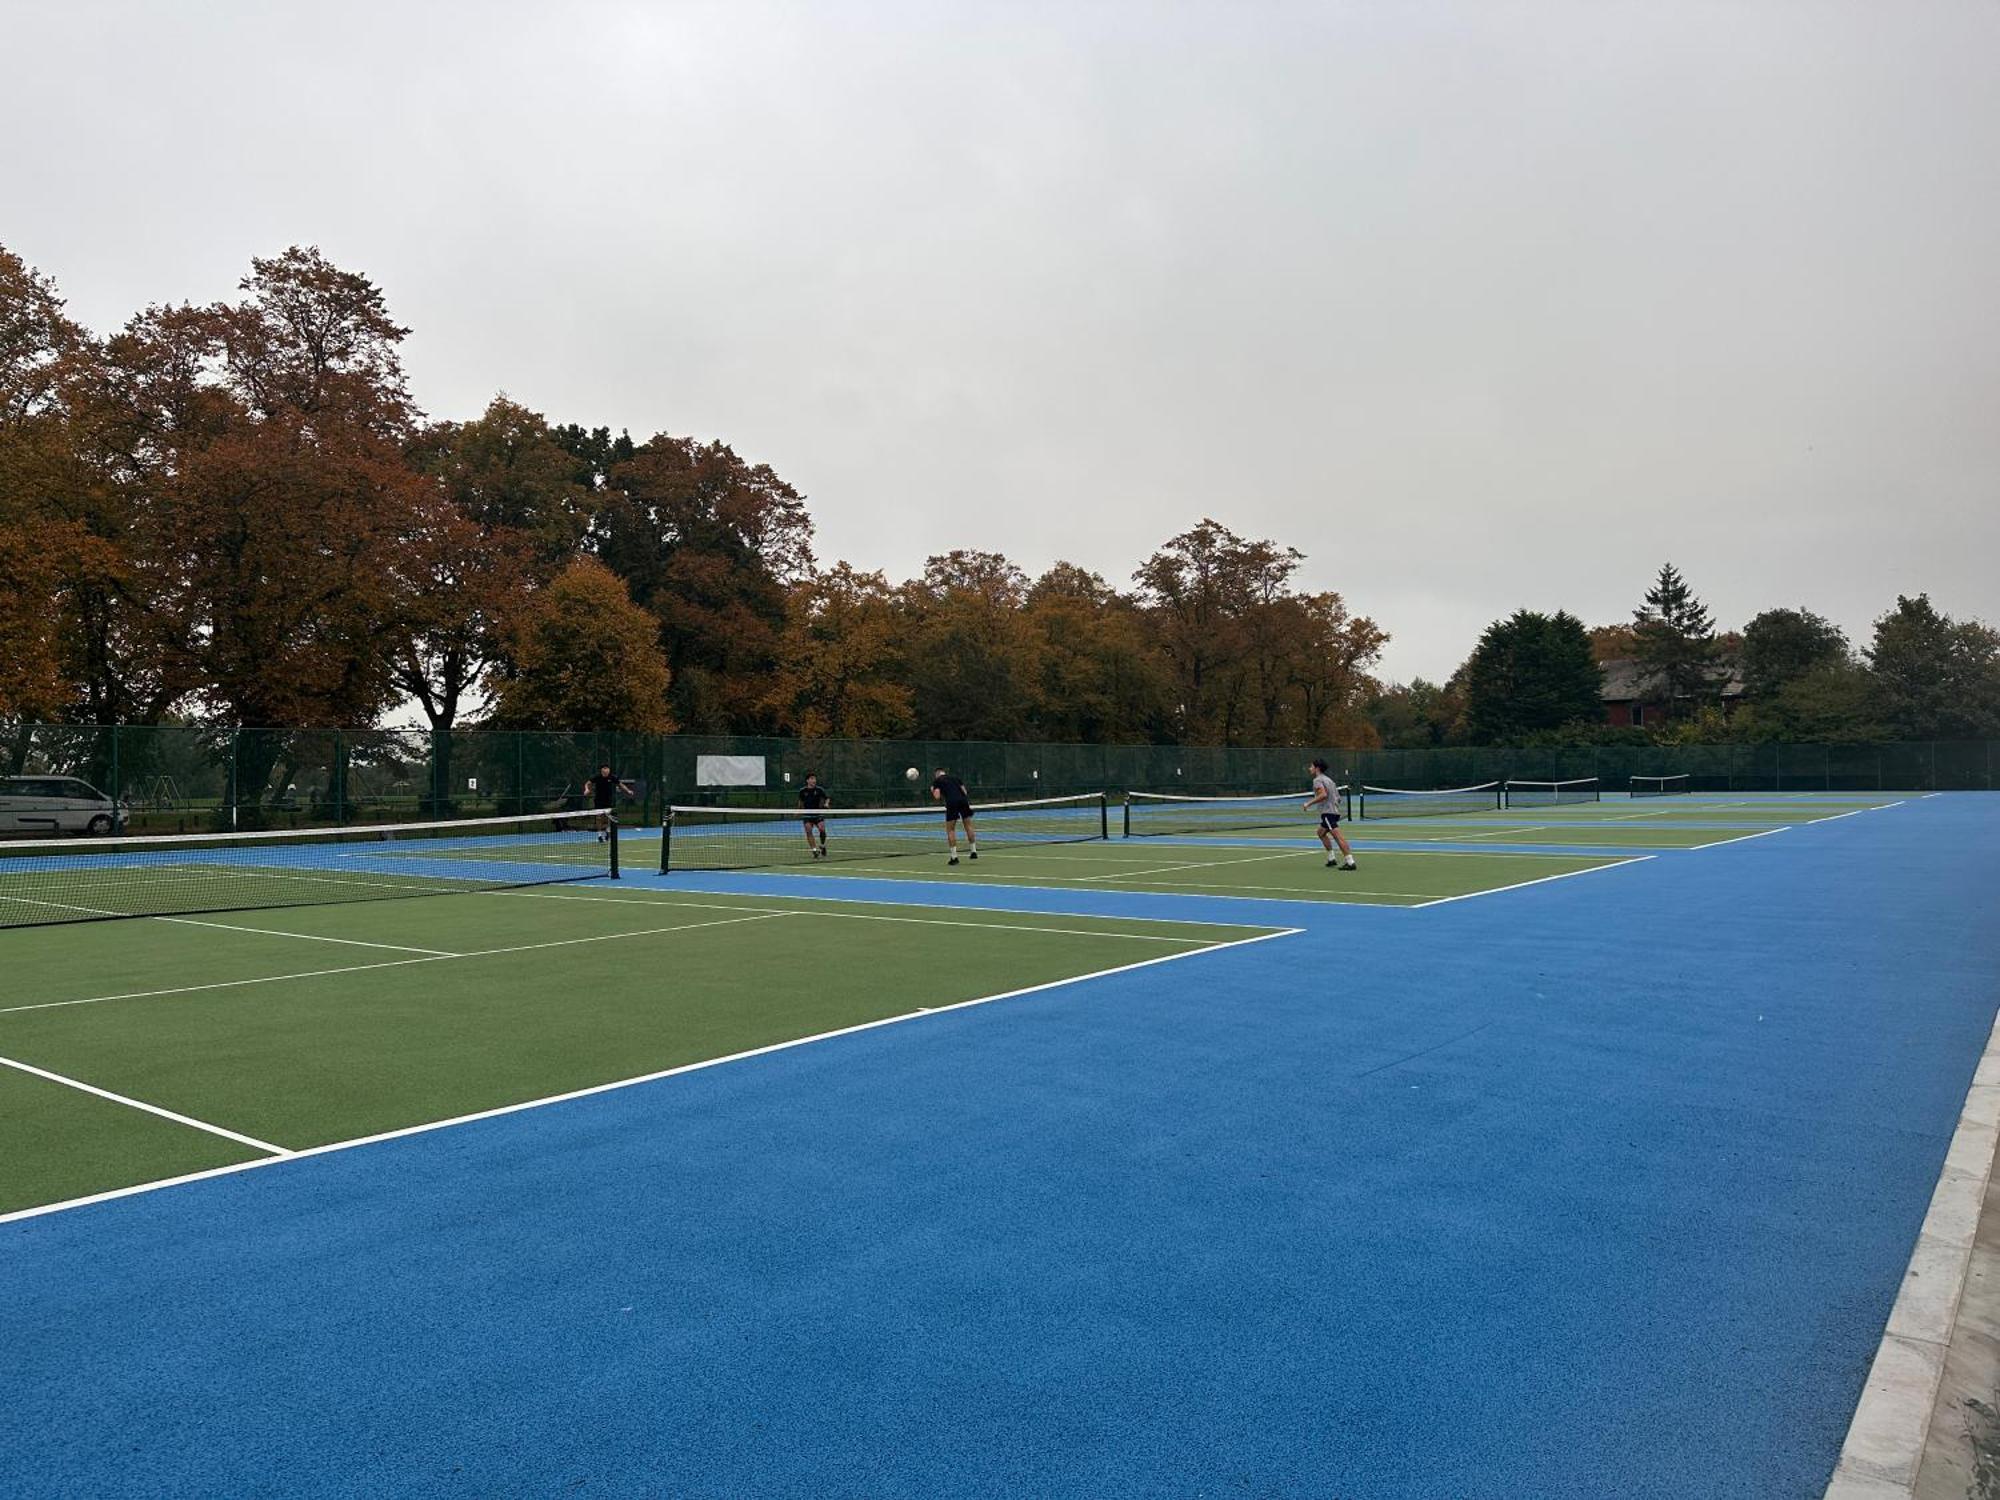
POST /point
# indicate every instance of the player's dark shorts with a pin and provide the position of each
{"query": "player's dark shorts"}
(953, 811)
(1329, 821)
(814, 820)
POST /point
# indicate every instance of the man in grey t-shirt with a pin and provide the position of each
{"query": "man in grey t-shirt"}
(1326, 801)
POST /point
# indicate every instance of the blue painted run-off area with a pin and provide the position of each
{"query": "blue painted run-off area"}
(1598, 1188)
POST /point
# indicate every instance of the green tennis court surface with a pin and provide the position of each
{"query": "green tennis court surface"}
(1296, 872)
(227, 1039)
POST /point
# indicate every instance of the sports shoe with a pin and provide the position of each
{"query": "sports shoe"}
(953, 860)
(972, 854)
(1331, 862)
(1349, 865)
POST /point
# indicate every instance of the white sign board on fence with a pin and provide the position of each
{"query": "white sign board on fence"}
(729, 770)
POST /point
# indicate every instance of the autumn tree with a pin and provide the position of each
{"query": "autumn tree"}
(840, 669)
(1197, 589)
(1327, 674)
(505, 510)
(1096, 675)
(36, 338)
(1613, 643)
(1249, 658)
(711, 545)
(971, 656)
(279, 493)
(1531, 673)
(586, 658)
(1677, 650)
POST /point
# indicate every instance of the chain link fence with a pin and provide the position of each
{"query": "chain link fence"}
(192, 777)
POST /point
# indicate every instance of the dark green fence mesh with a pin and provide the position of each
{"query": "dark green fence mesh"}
(185, 777)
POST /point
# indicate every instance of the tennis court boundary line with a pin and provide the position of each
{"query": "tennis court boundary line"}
(673, 898)
(1637, 859)
(403, 1132)
(278, 1153)
(744, 914)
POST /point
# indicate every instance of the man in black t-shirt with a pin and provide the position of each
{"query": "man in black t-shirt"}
(949, 790)
(604, 790)
(812, 797)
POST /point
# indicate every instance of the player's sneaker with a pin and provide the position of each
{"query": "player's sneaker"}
(972, 854)
(1348, 866)
(1331, 862)
(953, 860)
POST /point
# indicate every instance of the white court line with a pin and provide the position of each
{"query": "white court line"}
(751, 913)
(311, 937)
(675, 895)
(869, 916)
(277, 1152)
(394, 963)
(1203, 864)
(1077, 883)
(220, 984)
(1638, 859)
(624, 1083)
(1514, 829)
(1739, 838)
(1883, 807)
(95, 911)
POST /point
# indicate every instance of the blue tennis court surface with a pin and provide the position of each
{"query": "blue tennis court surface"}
(1595, 1188)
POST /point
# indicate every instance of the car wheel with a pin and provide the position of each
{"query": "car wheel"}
(101, 824)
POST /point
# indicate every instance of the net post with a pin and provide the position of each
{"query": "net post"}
(666, 840)
(611, 838)
(1103, 816)
(1128, 815)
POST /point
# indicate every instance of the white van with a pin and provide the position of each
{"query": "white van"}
(50, 805)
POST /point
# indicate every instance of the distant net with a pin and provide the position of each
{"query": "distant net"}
(1157, 814)
(1661, 786)
(44, 881)
(748, 838)
(1552, 793)
(1406, 802)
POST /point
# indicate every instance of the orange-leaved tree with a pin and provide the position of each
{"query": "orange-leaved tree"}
(1098, 678)
(710, 544)
(584, 657)
(841, 667)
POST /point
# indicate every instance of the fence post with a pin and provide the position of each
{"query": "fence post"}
(117, 791)
(234, 734)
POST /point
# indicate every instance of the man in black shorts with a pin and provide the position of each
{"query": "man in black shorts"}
(949, 790)
(812, 797)
(604, 790)
(1326, 802)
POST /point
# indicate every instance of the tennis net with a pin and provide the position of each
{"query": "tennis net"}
(748, 838)
(1552, 793)
(1406, 802)
(1661, 786)
(45, 881)
(1157, 814)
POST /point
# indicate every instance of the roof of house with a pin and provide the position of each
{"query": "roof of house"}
(1625, 681)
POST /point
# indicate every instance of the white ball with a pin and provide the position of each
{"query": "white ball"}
(913, 774)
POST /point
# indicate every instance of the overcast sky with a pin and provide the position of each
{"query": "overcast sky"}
(1479, 304)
